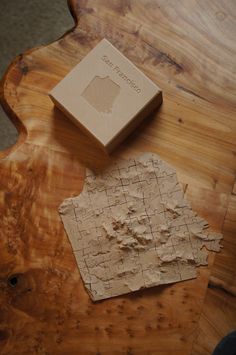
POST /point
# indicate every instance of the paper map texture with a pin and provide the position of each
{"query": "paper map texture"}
(131, 228)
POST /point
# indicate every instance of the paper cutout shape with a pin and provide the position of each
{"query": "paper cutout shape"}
(101, 93)
(131, 228)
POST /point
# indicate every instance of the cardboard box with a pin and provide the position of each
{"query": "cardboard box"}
(106, 95)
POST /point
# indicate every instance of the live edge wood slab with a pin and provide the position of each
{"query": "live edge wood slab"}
(188, 48)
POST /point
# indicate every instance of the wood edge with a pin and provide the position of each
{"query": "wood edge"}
(72, 8)
(14, 118)
(20, 127)
(215, 283)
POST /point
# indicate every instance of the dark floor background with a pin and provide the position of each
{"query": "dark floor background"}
(25, 24)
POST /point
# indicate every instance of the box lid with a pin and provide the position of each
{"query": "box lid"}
(104, 93)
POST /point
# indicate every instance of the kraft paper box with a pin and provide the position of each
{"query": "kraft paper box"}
(106, 95)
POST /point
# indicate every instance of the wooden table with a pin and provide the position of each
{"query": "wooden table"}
(188, 48)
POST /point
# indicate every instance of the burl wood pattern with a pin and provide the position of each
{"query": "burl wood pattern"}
(188, 49)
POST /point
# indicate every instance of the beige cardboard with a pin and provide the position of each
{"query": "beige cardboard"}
(131, 228)
(106, 95)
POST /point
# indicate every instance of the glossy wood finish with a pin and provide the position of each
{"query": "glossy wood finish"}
(188, 49)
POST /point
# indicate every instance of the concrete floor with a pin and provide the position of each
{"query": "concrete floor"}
(26, 24)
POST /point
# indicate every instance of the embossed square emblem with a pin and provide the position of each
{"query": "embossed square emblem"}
(106, 95)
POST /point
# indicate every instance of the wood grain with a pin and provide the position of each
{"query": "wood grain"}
(218, 315)
(188, 49)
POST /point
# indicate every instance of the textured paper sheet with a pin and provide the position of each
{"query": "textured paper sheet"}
(131, 228)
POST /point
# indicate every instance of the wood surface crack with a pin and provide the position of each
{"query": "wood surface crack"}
(158, 55)
(188, 91)
(217, 284)
(162, 57)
